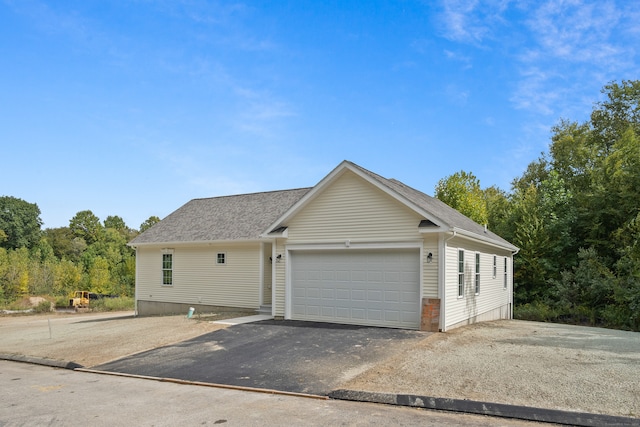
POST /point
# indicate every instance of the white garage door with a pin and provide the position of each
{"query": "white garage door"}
(375, 288)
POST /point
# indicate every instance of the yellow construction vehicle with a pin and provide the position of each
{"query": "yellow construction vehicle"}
(81, 299)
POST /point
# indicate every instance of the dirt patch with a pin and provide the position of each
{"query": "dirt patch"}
(92, 339)
(520, 363)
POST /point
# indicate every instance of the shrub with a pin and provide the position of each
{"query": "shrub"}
(42, 307)
(536, 311)
(112, 304)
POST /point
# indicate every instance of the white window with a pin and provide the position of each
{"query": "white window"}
(460, 273)
(221, 258)
(477, 281)
(505, 273)
(167, 269)
(495, 266)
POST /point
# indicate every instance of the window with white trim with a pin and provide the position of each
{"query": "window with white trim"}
(221, 258)
(460, 273)
(477, 278)
(495, 266)
(167, 269)
(505, 273)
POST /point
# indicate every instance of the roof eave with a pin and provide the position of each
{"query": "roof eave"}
(193, 243)
(484, 239)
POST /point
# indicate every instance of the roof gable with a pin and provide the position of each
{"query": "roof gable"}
(441, 216)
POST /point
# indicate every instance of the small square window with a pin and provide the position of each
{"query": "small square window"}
(221, 258)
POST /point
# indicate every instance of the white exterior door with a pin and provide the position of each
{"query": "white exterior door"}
(361, 287)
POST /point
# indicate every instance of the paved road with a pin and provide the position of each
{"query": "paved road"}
(302, 357)
(39, 395)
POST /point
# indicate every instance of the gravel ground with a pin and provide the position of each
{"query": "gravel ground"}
(514, 362)
(93, 339)
(521, 363)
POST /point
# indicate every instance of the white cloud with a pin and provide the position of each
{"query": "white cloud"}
(471, 21)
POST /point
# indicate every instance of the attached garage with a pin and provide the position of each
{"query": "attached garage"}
(360, 287)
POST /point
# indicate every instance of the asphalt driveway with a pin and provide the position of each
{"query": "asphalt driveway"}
(302, 357)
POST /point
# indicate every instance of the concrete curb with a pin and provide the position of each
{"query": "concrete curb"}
(40, 361)
(486, 408)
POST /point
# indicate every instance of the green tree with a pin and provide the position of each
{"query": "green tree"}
(150, 222)
(20, 223)
(86, 225)
(14, 272)
(100, 276)
(462, 191)
(67, 277)
(64, 243)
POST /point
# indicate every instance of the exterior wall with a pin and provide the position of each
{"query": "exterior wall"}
(280, 278)
(494, 300)
(267, 275)
(430, 269)
(197, 279)
(353, 210)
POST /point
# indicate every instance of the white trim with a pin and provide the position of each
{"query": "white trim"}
(197, 243)
(486, 240)
(477, 272)
(135, 289)
(418, 244)
(354, 245)
(442, 265)
(274, 243)
(261, 273)
(224, 258)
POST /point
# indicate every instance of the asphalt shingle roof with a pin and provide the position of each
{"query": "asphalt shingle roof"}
(241, 217)
(436, 207)
(247, 216)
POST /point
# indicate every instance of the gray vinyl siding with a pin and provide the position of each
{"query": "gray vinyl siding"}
(197, 279)
(493, 297)
(353, 209)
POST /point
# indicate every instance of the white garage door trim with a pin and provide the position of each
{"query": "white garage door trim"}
(372, 288)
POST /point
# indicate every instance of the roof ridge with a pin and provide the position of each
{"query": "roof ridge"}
(252, 194)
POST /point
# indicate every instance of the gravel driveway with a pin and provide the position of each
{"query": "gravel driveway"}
(535, 364)
(514, 362)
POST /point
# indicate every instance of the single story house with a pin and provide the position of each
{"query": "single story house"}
(356, 248)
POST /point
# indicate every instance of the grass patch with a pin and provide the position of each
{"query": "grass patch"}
(112, 304)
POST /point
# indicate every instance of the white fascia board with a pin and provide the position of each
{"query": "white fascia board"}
(397, 196)
(432, 230)
(269, 236)
(195, 243)
(486, 240)
(306, 198)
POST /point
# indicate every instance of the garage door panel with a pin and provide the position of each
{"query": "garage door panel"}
(378, 288)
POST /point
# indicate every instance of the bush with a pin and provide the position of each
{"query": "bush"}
(43, 307)
(536, 311)
(112, 304)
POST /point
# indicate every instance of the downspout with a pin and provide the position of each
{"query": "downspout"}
(442, 279)
(273, 276)
(135, 287)
(513, 270)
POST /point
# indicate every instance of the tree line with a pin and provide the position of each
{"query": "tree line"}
(89, 254)
(575, 215)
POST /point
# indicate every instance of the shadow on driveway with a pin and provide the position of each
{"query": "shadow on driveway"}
(292, 356)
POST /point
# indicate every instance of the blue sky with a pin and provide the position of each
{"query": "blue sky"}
(132, 108)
